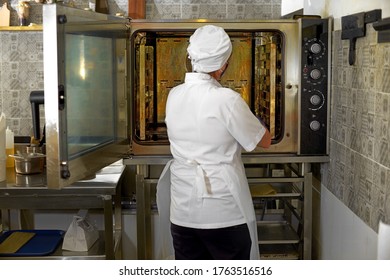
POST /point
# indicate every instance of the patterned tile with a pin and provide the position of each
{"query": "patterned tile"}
(384, 80)
(380, 177)
(365, 53)
(365, 184)
(168, 11)
(382, 152)
(21, 65)
(385, 56)
(190, 11)
(382, 104)
(212, 11)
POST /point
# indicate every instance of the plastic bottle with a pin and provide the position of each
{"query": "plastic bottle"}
(10, 147)
(2, 148)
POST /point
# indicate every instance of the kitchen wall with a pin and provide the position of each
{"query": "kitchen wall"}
(289, 7)
(359, 171)
(220, 9)
(21, 71)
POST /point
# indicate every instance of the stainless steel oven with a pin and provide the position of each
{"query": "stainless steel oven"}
(280, 67)
(106, 80)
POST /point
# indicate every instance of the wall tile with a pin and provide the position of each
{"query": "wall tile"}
(360, 118)
(21, 65)
(212, 11)
(384, 80)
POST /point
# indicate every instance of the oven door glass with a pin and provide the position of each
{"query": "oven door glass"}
(85, 92)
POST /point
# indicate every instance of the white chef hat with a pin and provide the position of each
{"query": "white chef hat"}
(209, 49)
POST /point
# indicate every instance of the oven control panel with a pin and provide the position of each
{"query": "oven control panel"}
(314, 87)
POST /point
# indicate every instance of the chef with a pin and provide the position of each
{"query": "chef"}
(203, 193)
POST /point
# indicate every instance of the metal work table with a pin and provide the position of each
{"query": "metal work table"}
(101, 192)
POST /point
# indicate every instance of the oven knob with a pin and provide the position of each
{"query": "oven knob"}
(315, 48)
(315, 100)
(315, 125)
(315, 74)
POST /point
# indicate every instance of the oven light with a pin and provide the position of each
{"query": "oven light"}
(82, 71)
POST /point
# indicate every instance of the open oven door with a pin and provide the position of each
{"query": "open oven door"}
(84, 92)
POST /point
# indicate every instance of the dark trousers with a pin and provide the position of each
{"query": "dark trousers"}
(230, 243)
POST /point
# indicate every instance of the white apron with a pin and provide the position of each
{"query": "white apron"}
(241, 195)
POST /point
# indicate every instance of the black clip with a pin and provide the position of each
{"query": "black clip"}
(354, 26)
(383, 28)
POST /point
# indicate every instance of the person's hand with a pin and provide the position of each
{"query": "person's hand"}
(265, 142)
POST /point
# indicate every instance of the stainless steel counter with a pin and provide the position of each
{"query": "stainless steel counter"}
(105, 178)
(101, 192)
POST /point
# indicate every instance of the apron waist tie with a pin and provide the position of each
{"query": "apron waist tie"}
(200, 180)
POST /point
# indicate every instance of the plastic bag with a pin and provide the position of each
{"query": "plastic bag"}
(81, 234)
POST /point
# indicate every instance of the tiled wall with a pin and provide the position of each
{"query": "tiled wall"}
(359, 171)
(174, 9)
(217, 9)
(21, 71)
(21, 59)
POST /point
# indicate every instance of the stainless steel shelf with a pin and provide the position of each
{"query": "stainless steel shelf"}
(276, 233)
(275, 180)
(275, 191)
(278, 195)
(96, 252)
(282, 200)
(278, 252)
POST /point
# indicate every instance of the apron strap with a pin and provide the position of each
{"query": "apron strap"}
(200, 180)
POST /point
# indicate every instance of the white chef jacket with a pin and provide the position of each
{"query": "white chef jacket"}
(208, 126)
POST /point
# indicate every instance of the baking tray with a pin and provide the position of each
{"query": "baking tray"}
(43, 243)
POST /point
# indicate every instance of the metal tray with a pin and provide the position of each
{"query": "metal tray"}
(43, 243)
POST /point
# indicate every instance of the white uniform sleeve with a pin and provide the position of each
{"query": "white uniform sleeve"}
(244, 126)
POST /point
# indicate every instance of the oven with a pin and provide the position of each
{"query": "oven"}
(106, 80)
(280, 68)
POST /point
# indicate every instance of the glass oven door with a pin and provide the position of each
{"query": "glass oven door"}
(85, 92)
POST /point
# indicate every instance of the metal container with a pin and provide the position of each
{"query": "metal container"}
(31, 163)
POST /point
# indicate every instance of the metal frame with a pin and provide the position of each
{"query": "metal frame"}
(144, 181)
(289, 29)
(103, 193)
(56, 17)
